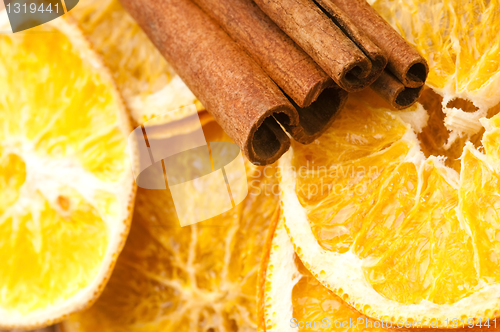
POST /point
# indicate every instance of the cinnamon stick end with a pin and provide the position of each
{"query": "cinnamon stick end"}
(394, 92)
(416, 74)
(317, 118)
(267, 141)
(354, 77)
(407, 97)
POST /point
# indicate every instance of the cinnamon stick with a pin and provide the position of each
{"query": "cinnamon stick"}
(394, 92)
(404, 61)
(358, 36)
(323, 40)
(233, 88)
(286, 63)
(316, 119)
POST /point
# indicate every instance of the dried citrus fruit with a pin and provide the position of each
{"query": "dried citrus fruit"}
(397, 212)
(396, 233)
(201, 277)
(460, 40)
(147, 82)
(294, 300)
(66, 184)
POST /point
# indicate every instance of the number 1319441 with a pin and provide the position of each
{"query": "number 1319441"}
(32, 8)
(470, 323)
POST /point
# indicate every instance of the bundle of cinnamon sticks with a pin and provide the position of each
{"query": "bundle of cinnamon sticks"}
(265, 68)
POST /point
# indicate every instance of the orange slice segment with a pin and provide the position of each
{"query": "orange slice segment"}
(66, 184)
(201, 277)
(146, 80)
(398, 235)
(294, 300)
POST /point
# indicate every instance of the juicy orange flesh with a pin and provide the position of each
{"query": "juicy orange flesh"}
(479, 196)
(318, 308)
(59, 119)
(201, 277)
(399, 216)
(427, 252)
(50, 261)
(12, 177)
(63, 114)
(458, 38)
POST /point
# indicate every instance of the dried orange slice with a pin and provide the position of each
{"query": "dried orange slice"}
(396, 233)
(65, 179)
(294, 300)
(147, 82)
(397, 213)
(201, 277)
(460, 40)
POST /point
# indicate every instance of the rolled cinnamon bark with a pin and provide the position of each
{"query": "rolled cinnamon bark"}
(316, 119)
(233, 88)
(286, 63)
(394, 92)
(324, 41)
(358, 36)
(404, 61)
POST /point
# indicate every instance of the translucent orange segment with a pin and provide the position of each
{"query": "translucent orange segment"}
(139, 69)
(335, 184)
(316, 308)
(12, 177)
(339, 202)
(495, 121)
(62, 106)
(490, 143)
(480, 205)
(400, 217)
(49, 256)
(357, 132)
(458, 38)
(394, 196)
(429, 256)
(64, 171)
